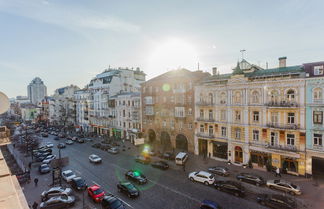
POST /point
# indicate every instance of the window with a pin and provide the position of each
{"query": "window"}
(237, 97)
(290, 139)
(317, 94)
(291, 118)
(210, 130)
(210, 98)
(147, 100)
(189, 111)
(255, 116)
(290, 95)
(164, 123)
(274, 96)
(317, 139)
(179, 112)
(223, 98)
(274, 138)
(172, 123)
(319, 70)
(237, 115)
(223, 115)
(256, 135)
(237, 133)
(223, 131)
(210, 114)
(201, 114)
(202, 129)
(274, 117)
(255, 97)
(317, 117)
(201, 98)
(189, 125)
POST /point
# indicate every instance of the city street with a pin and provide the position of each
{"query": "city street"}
(170, 189)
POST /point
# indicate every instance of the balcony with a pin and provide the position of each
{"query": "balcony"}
(179, 91)
(282, 104)
(204, 103)
(205, 135)
(206, 119)
(291, 148)
(284, 126)
(149, 113)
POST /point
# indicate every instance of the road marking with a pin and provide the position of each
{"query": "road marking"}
(125, 202)
(96, 183)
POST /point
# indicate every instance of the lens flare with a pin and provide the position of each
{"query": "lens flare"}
(166, 87)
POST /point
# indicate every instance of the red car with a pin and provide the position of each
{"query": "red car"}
(96, 193)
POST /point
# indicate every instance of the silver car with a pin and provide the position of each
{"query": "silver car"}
(55, 191)
(284, 186)
(113, 150)
(62, 201)
(95, 159)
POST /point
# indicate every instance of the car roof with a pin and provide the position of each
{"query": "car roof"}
(205, 173)
(181, 154)
(95, 187)
(67, 171)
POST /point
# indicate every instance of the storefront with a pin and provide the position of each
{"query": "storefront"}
(260, 159)
(290, 165)
(220, 150)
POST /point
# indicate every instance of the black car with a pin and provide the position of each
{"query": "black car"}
(160, 164)
(251, 178)
(230, 187)
(78, 183)
(58, 202)
(44, 168)
(142, 159)
(96, 145)
(56, 138)
(111, 202)
(128, 188)
(219, 170)
(60, 145)
(136, 176)
(276, 201)
(168, 156)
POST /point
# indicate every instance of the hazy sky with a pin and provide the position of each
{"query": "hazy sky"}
(68, 42)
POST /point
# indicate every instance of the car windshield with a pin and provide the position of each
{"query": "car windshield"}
(98, 191)
(130, 187)
(68, 174)
(116, 204)
(294, 186)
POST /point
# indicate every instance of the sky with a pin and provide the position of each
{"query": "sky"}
(70, 41)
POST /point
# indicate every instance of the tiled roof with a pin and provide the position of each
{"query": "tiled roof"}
(276, 71)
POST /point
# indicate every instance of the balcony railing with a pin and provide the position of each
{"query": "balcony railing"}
(318, 147)
(149, 113)
(205, 103)
(282, 104)
(205, 135)
(206, 119)
(291, 148)
(179, 116)
(284, 126)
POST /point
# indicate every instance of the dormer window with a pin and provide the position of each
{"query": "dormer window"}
(319, 70)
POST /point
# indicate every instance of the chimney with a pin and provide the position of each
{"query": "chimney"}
(214, 70)
(282, 61)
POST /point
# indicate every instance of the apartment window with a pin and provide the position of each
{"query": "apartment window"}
(210, 130)
(319, 70)
(223, 131)
(164, 123)
(124, 113)
(201, 114)
(291, 95)
(201, 98)
(190, 126)
(189, 111)
(317, 94)
(274, 117)
(318, 117)
(237, 98)
(256, 135)
(223, 115)
(202, 129)
(255, 116)
(290, 139)
(172, 123)
(274, 96)
(179, 111)
(124, 124)
(210, 114)
(237, 133)
(237, 115)
(318, 139)
(210, 98)
(274, 138)
(223, 98)
(291, 118)
(255, 97)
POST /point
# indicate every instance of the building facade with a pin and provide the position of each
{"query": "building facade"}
(314, 119)
(253, 116)
(36, 90)
(168, 109)
(81, 98)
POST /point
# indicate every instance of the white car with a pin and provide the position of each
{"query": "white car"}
(49, 158)
(49, 145)
(202, 176)
(68, 175)
(95, 159)
(113, 150)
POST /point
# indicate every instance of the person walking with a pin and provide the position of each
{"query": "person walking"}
(184, 167)
(36, 181)
(35, 205)
(278, 172)
(29, 165)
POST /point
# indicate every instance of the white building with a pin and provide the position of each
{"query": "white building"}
(36, 90)
(81, 98)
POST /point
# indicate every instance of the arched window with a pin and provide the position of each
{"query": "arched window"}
(274, 96)
(255, 97)
(317, 94)
(201, 97)
(290, 95)
(237, 97)
(210, 98)
(223, 98)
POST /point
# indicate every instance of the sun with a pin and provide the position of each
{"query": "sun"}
(172, 54)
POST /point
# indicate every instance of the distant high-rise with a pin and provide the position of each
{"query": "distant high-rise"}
(36, 90)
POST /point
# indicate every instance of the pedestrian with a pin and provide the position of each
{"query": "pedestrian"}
(184, 167)
(209, 154)
(278, 172)
(36, 181)
(29, 165)
(14, 146)
(35, 205)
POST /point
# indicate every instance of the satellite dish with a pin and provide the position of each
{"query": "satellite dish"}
(4, 103)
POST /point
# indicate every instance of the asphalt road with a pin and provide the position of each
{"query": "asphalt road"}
(169, 189)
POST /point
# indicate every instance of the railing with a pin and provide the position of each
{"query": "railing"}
(318, 101)
(258, 143)
(282, 104)
(318, 147)
(205, 135)
(284, 126)
(206, 119)
(205, 103)
(291, 148)
(179, 116)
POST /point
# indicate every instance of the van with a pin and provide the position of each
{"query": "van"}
(181, 158)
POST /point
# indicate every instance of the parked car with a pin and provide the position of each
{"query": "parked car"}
(48, 159)
(69, 142)
(202, 177)
(55, 191)
(56, 138)
(41, 157)
(50, 145)
(231, 187)
(105, 147)
(79, 140)
(78, 183)
(74, 138)
(111, 202)
(168, 156)
(95, 159)
(68, 175)
(60, 145)
(181, 158)
(113, 150)
(128, 188)
(88, 140)
(251, 178)
(96, 145)
(44, 134)
(160, 164)
(209, 204)
(219, 170)
(276, 201)
(96, 193)
(44, 168)
(284, 186)
(58, 202)
(136, 176)
(142, 159)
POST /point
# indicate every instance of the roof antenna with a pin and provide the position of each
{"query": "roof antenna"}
(242, 52)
